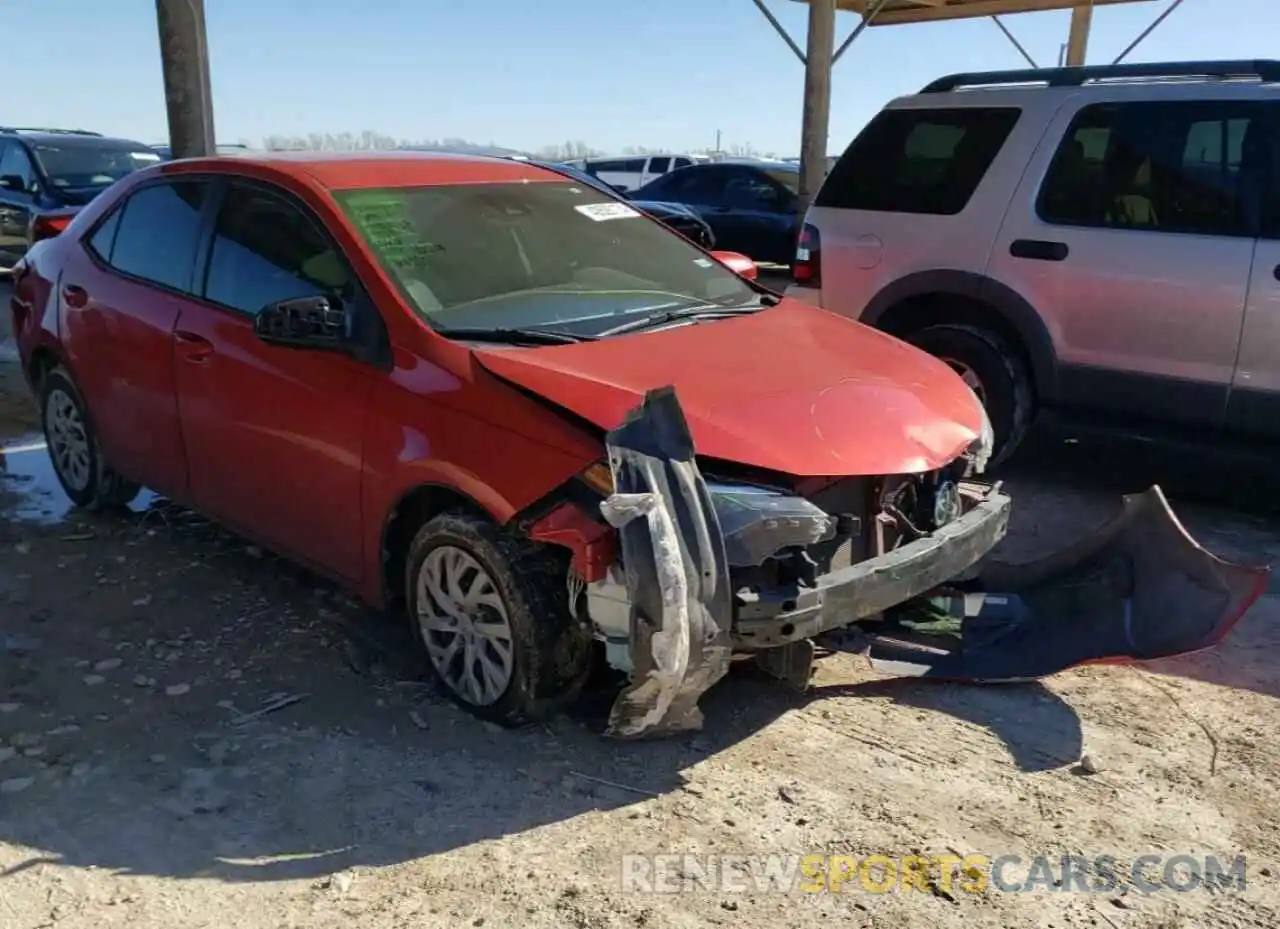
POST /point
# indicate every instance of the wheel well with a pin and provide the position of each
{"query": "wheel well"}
(43, 360)
(937, 309)
(410, 513)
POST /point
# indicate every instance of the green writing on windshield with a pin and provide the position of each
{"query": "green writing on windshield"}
(383, 219)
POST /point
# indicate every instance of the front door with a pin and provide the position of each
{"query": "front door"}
(1138, 249)
(17, 197)
(273, 434)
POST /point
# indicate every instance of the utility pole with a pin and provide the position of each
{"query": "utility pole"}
(1078, 39)
(184, 57)
(816, 118)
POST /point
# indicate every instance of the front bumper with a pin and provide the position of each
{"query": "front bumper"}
(869, 587)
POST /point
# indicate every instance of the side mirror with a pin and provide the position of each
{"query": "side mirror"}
(738, 263)
(304, 322)
(13, 182)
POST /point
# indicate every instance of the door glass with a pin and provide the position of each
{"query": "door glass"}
(158, 231)
(659, 165)
(266, 249)
(748, 191)
(15, 162)
(1196, 167)
(103, 240)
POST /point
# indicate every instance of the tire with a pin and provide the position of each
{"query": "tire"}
(74, 451)
(550, 655)
(1002, 376)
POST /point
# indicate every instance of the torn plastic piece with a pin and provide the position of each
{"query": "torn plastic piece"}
(758, 522)
(1139, 588)
(677, 575)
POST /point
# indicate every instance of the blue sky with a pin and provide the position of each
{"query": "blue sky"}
(663, 73)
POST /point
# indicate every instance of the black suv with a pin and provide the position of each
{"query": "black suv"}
(44, 170)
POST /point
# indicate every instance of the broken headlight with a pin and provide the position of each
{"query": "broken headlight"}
(979, 451)
(758, 522)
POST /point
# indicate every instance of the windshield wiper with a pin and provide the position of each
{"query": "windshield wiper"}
(514, 334)
(704, 311)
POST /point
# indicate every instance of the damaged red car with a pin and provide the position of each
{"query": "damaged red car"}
(554, 432)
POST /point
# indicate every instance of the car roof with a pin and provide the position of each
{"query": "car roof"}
(364, 170)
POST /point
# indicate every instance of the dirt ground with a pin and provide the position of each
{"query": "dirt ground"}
(136, 788)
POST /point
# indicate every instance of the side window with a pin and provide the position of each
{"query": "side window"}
(659, 165)
(595, 167)
(693, 186)
(683, 162)
(266, 249)
(747, 190)
(632, 166)
(918, 161)
(15, 162)
(103, 240)
(158, 231)
(1196, 168)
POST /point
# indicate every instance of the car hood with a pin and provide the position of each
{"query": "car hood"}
(792, 389)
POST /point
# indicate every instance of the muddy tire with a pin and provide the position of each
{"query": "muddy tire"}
(996, 370)
(86, 477)
(490, 612)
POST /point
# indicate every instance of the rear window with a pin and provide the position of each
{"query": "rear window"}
(539, 254)
(79, 165)
(918, 161)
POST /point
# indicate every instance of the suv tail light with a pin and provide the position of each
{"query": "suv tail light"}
(46, 226)
(807, 269)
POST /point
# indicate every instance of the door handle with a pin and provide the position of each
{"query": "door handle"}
(75, 296)
(1276, 273)
(193, 347)
(1038, 250)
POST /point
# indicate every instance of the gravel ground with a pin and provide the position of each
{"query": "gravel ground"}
(137, 788)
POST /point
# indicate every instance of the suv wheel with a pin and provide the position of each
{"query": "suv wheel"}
(994, 370)
(490, 609)
(74, 451)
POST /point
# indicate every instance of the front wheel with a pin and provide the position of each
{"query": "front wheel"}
(77, 458)
(994, 370)
(490, 609)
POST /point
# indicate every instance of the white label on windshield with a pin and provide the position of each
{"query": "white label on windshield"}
(703, 262)
(602, 211)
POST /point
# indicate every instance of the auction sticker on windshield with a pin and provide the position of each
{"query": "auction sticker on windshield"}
(602, 211)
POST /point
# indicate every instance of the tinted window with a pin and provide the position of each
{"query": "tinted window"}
(158, 231)
(683, 162)
(659, 165)
(104, 239)
(16, 162)
(597, 166)
(1194, 167)
(79, 165)
(918, 161)
(751, 190)
(689, 186)
(266, 249)
(546, 254)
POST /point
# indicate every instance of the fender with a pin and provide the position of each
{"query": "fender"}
(1005, 301)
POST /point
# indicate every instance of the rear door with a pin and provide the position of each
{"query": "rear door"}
(657, 166)
(274, 434)
(1133, 238)
(920, 189)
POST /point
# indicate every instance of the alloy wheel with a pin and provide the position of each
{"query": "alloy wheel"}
(68, 440)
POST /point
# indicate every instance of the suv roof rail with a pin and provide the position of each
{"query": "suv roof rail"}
(1263, 70)
(50, 131)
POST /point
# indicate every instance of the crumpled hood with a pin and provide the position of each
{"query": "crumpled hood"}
(793, 389)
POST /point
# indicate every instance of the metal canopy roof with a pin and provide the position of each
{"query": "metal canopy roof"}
(897, 12)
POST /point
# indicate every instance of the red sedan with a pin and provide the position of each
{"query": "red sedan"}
(547, 426)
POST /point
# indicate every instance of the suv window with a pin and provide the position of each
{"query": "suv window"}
(266, 249)
(17, 163)
(659, 165)
(683, 162)
(918, 161)
(158, 231)
(1181, 167)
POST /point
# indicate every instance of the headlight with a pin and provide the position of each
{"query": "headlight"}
(980, 449)
(598, 477)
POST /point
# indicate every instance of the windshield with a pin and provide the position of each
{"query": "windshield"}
(545, 254)
(788, 179)
(79, 165)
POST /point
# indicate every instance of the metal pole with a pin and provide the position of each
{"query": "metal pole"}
(1078, 39)
(1146, 32)
(1016, 44)
(816, 118)
(777, 27)
(870, 15)
(184, 56)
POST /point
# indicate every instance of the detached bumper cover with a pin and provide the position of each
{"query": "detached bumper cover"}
(1139, 588)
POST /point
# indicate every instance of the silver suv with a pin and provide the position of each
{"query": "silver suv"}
(1099, 239)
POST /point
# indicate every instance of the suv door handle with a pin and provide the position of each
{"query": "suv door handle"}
(1039, 250)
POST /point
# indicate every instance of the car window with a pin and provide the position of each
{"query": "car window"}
(103, 240)
(266, 249)
(705, 186)
(683, 162)
(83, 165)
(1194, 167)
(918, 161)
(158, 231)
(595, 167)
(750, 190)
(659, 165)
(542, 254)
(15, 161)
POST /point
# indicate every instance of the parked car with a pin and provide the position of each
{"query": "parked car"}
(1100, 240)
(672, 215)
(627, 174)
(165, 151)
(751, 207)
(549, 428)
(55, 171)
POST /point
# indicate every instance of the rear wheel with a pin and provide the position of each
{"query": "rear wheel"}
(994, 370)
(490, 609)
(77, 458)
